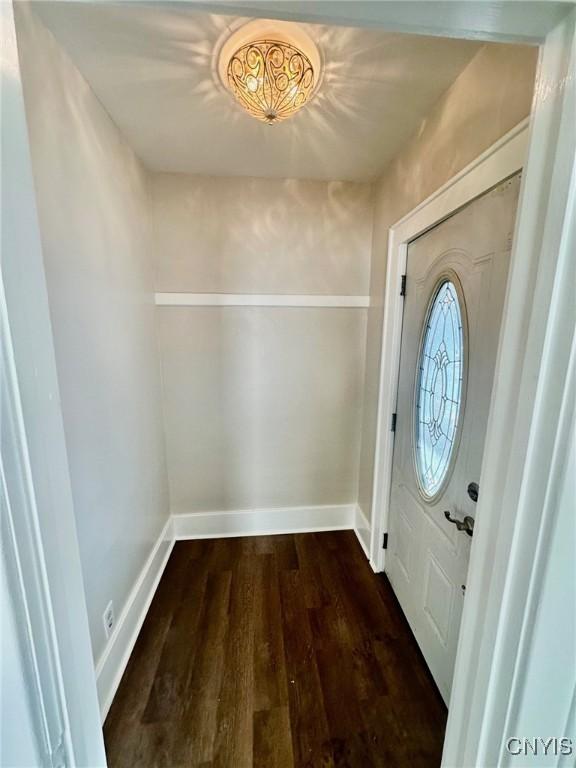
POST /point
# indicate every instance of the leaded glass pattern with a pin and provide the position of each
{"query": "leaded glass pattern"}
(439, 388)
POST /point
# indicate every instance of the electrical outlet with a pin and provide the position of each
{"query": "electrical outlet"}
(108, 618)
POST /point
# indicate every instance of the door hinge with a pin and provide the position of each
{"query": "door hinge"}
(403, 286)
(393, 424)
(385, 541)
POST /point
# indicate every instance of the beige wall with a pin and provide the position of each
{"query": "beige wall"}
(242, 235)
(94, 210)
(262, 405)
(491, 96)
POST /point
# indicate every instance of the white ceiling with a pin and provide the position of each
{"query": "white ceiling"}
(153, 69)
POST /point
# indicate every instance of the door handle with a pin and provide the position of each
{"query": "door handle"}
(466, 525)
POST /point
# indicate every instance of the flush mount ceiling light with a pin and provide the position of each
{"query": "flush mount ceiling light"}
(271, 68)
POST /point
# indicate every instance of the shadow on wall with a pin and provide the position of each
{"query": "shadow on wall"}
(93, 211)
(235, 235)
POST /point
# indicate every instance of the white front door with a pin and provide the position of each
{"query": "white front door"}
(456, 283)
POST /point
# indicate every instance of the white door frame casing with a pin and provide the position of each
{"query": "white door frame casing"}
(527, 433)
(40, 545)
(504, 158)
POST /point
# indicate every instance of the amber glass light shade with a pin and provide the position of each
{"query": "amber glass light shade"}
(271, 79)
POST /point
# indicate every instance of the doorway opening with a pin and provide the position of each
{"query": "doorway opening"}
(238, 464)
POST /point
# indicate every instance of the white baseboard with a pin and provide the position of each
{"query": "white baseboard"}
(262, 522)
(362, 529)
(113, 661)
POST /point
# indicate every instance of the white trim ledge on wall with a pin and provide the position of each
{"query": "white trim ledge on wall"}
(258, 300)
(112, 663)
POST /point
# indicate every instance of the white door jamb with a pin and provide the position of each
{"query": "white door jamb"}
(527, 434)
(528, 428)
(38, 525)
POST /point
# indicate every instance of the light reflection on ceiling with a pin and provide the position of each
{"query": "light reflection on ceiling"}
(154, 68)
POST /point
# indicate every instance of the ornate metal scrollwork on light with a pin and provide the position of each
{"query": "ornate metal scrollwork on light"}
(271, 79)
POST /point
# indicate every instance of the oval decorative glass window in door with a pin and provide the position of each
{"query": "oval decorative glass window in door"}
(438, 397)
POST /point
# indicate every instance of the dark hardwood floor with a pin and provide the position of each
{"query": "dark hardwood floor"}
(273, 652)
